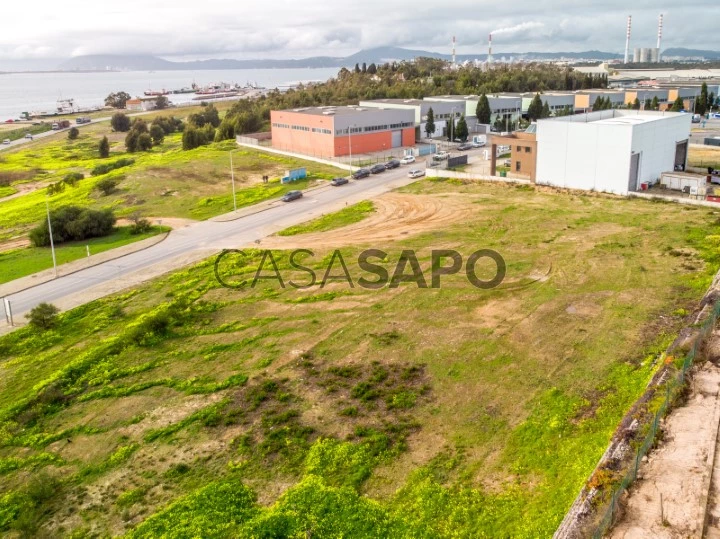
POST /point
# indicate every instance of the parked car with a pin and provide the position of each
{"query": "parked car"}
(361, 173)
(478, 144)
(407, 160)
(507, 163)
(416, 173)
(6, 141)
(715, 115)
(292, 195)
(393, 163)
(441, 156)
(465, 147)
(29, 136)
(377, 169)
(339, 181)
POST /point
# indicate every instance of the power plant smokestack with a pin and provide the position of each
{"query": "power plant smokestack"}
(453, 45)
(627, 39)
(660, 23)
(489, 58)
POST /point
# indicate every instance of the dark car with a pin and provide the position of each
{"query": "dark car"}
(339, 181)
(361, 173)
(393, 163)
(465, 147)
(377, 169)
(292, 195)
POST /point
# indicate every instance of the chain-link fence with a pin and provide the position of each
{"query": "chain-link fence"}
(672, 388)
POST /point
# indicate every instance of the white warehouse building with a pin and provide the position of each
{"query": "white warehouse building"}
(612, 150)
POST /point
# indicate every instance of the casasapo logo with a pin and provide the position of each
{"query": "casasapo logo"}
(370, 269)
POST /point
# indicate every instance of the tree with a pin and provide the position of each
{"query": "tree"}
(364, 67)
(104, 148)
(226, 130)
(73, 133)
(119, 122)
(162, 102)
(636, 104)
(483, 111)
(677, 105)
(430, 124)
(372, 69)
(140, 224)
(461, 130)
(157, 134)
(106, 186)
(655, 104)
(450, 129)
(701, 103)
(535, 108)
(357, 68)
(545, 110)
(711, 101)
(648, 104)
(599, 104)
(43, 316)
(73, 223)
(117, 100)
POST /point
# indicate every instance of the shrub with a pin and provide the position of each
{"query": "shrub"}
(72, 178)
(140, 224)
(73, 223)
(107, 185)
(44, 316)
(107, 167)
(120, 122)
(73, 133)
(169, 124)
(157, 133)
(104, 148)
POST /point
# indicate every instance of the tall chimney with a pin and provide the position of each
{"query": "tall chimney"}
(489, 58)
(627, 39)
(453, 50)
(660, 23)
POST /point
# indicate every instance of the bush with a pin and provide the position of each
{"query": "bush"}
(140, 224)
(44, 316)
(72, 178)
(104, 148)
(107, 167)
(107, 185)
(73, 133)
(120, 122)
(157, 133)
(169, 124)
(194, 137)
(73, 223)
(138, 138)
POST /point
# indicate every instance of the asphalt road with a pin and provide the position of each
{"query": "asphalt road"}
(212, 235)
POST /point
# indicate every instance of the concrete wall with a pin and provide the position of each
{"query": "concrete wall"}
(656, 142)
(308, 142)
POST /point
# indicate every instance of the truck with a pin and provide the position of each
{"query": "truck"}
(61, 124)
(82, 120)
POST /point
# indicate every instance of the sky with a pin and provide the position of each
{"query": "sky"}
(243, 29)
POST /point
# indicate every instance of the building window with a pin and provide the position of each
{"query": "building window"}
(517, 166)
(528, 149)
(519, 148)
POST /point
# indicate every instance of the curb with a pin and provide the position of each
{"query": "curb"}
(86, 267)
(707, 481)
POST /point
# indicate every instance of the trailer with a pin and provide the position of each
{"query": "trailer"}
(61, 124)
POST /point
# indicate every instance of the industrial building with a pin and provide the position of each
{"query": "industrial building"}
(337, 131)
(502, 107)
(613, 151)
(585, 99)
(442, 111)
(557, 101)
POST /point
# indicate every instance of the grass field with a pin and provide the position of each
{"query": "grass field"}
(21, 262)
(346, 216)
(165, 182)
(183, 408)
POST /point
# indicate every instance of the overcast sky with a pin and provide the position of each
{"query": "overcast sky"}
(184, 29)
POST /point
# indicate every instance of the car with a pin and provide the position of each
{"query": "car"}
(339, 181)
(715, 115)
(407, 160)
(29, 136)
(465, 147)
(292, 195)
(478, 144)
(377, 169)
(441, 156)
(393, 163)
(361, 173)
(416, 173)
(507, 163)
(6, 141)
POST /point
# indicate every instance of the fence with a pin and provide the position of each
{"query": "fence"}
(671, 390)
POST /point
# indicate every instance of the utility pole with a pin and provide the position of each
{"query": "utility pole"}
(350, 144)
(232, 178)
(52, 242)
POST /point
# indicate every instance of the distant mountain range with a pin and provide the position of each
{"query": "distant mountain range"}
(102, 62)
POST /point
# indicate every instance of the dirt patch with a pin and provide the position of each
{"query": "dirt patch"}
(173, 222)
(397, 215)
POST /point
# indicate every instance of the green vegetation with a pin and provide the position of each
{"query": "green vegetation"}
(346, 216)
(72, 223)
(18, 263)
(183, 408)
(15, 134)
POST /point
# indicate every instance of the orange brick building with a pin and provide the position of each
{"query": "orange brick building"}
(338, 131)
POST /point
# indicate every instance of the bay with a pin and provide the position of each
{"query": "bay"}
(28, 92)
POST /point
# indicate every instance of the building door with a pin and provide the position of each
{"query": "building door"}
(681, 149)
(634, 172)
(396, 139)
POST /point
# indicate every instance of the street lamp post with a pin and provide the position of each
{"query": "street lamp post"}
(350, 145)
(232, 179)
(52, 242)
